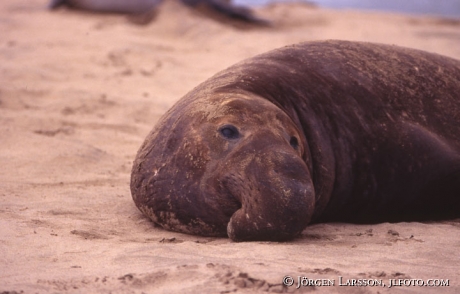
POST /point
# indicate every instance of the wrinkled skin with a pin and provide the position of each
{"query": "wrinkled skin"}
(320, 131)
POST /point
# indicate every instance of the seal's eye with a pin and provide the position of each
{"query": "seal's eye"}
(229, 132)
(294, 143)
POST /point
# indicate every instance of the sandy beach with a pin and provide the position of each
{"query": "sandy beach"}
(78, 94)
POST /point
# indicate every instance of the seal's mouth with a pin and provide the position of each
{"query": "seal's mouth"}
(234, 187)
(229, 188)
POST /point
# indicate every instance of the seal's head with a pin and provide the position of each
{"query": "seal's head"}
(232, 164)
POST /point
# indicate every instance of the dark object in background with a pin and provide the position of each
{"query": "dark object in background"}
(137, 7)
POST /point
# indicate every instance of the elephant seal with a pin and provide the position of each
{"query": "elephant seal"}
(314, 132)
(147, 6)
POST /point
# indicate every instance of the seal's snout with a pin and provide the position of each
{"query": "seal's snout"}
(282, 204)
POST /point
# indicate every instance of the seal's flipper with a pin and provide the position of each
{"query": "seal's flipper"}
(56, 3)
(445, 195)
(425, 176)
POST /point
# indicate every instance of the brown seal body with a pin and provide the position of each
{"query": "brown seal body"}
(319, 131)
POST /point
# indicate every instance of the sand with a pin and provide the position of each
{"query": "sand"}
(78, 94)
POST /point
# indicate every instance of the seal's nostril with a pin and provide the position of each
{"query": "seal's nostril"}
(294, 142)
